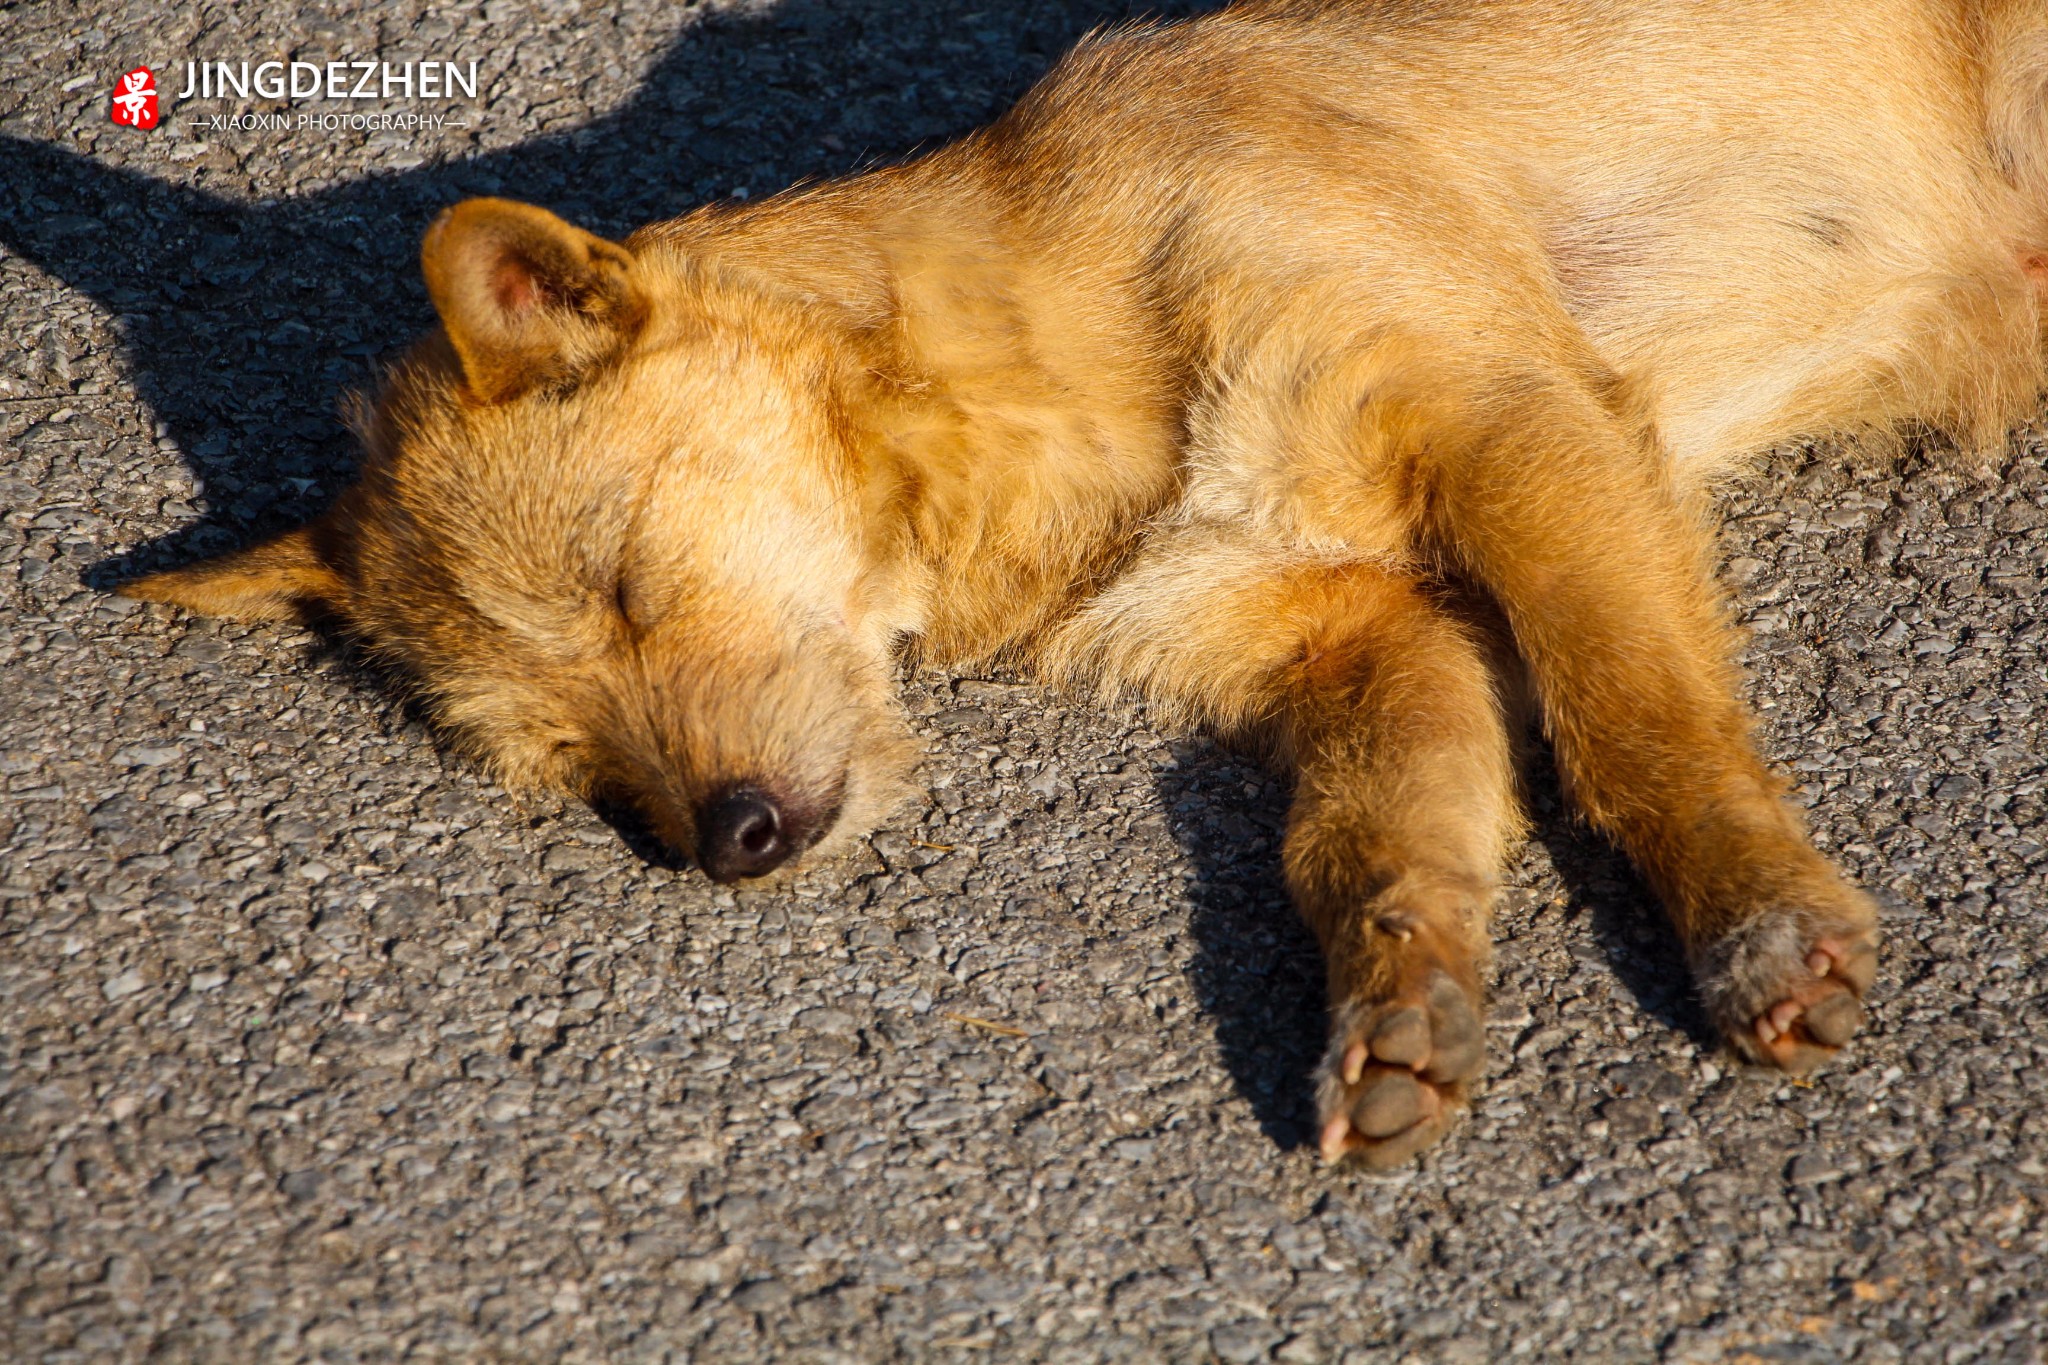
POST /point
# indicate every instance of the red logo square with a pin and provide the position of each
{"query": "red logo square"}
(135, 99)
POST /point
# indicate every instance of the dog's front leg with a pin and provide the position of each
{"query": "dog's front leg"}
(1404, 802)
(1403, 810)
(1566, 517)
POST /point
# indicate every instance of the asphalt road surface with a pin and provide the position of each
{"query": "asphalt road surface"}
(315, 1046)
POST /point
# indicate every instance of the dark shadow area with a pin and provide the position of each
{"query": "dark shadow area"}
(1629, 925)
(244, 324)
(1629, 928)
(1257, 972)
(636, 834)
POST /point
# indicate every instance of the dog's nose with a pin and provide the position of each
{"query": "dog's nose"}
(743, 834)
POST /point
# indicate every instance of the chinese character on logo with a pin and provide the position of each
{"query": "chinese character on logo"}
(135, 99)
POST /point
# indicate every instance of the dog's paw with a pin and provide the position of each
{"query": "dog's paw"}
(1398, 1068)
(1786, 986)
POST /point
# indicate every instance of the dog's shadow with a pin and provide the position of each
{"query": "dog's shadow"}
(243, 324)
(1627, 923)
(1258, 974)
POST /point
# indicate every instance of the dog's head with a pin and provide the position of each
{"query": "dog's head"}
(611, 523)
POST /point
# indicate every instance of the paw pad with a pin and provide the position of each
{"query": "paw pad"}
(1787, 994)
(1397, 1071)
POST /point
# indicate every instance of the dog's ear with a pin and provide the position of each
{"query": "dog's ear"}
(289, 577)
(526, 298)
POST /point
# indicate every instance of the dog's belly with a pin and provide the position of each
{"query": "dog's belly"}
(1774, 334)
(1776, 237)
(1749, 215)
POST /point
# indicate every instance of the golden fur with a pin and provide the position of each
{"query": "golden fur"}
(1312, 369)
